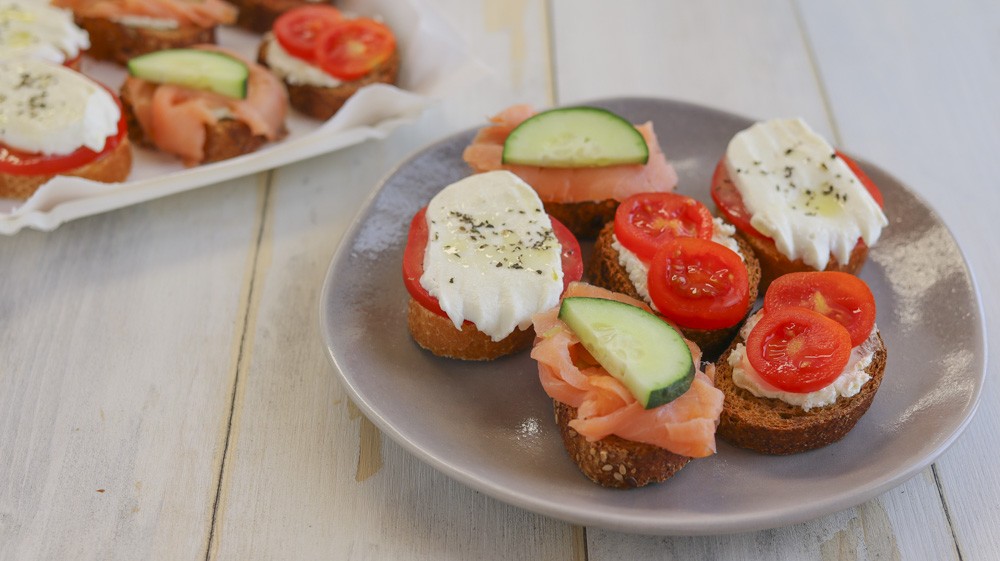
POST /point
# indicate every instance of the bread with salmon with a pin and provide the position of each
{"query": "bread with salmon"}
(582, 198)
(122, 29)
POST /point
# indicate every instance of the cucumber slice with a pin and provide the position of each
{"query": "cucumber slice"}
(194, 68)
(642, 351)
(575, 137)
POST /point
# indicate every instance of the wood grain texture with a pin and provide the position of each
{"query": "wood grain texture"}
(119, 337)
(928, 111)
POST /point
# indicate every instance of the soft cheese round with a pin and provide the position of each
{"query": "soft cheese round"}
(33, 28)
(48, 108)
(492, 257)
(800, 193)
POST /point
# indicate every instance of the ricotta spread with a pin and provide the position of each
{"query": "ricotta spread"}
(48, 108)
(492, 257)
(848, 384)
(293, 69)
(800, 193)
(147, 22)
(638, 270)
(33, 28)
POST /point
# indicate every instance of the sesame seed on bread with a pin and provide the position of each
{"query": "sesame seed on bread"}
(438, 335)
(605, 270)
(771, 426)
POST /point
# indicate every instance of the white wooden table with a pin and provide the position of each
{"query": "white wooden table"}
(164, 392)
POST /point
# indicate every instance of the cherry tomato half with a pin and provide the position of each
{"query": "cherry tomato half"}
(354, 47)
(645, 220)
(699, 284)
(841, 297)
(298, 30)
(18, 162)
(729, 202)
(798, 350)
(416, 246)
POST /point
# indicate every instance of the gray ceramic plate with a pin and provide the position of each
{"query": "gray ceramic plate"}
(490, 425)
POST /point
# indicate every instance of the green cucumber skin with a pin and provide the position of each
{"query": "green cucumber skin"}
(221, 73)
(575, 311)
(526, 143)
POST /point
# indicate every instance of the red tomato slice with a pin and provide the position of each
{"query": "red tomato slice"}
(727, 198)
(699, 284)
(18, 162)
(416, 245)
(354, 47)
(297, 30)
(798, 350)
(645, 220)
(841, 297)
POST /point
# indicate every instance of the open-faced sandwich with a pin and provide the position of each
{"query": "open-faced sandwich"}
(666, 250)
(122, 29)
(34, 29)
(582, 161)
(481, 258)
(324, 57)
(631, 400)
(202, 104)
(56, 121)
(260, 15)
(805, 368)
(800, 204)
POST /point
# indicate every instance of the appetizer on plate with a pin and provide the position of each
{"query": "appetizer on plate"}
(582, 161)
(324, 57)
(800, 204)
(33, 28)
(202, 104)
(259, 15)
(666, 250)
(631, 400)
(56, 121)
(805, 368)
(480, 259)
(122, 29)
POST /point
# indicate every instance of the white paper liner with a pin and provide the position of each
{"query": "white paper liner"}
(434, 64)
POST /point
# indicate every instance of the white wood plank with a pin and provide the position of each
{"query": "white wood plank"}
(307, 476)
(119, 336)
(915, 90)
(751, 58)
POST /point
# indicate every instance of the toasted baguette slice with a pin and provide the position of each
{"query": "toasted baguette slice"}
(110, 40)
(321, 102)
(773, 263)
(109, 168)
(438, 335)
(771, 426)
(614, 461)
(605, 270)
(259, 15)
(584, 219)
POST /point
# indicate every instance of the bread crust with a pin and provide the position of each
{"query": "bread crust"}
(605, 270)
(771, 426)
(113, 41)
(773, 264)
(321, 102)
(438, 335)
(112, 167)
(584, 219)
(259, 15)
(613, 461)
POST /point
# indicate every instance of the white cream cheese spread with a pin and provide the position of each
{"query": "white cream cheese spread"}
(800, 193)
(33, 28)
(147, 22)
(293, 69)
(848, 384)
(492, 257)
(638, 271)
(48, 108)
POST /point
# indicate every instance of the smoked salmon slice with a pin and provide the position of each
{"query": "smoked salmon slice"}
(568, 373)
(571, 185)
(202, 13)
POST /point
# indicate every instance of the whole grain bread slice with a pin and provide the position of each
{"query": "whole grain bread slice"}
(438, 335)
(110, 40)
(108, 168)
(605, 270)
(613, 461)
(771, 426)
